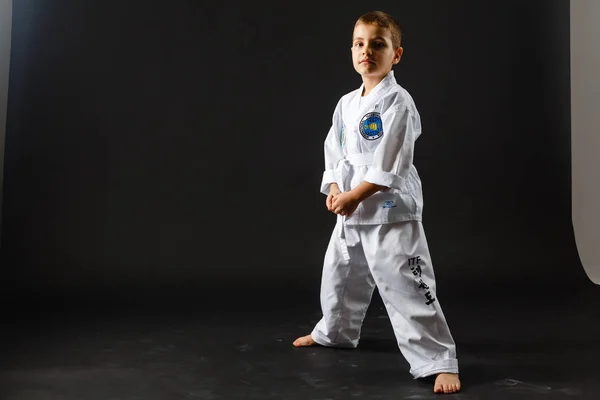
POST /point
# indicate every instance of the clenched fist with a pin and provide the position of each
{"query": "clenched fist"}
(345, 203)
(334, 191)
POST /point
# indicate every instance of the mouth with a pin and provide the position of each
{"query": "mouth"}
(366, 62)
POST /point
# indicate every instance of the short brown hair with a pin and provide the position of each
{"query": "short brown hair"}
(383, 20)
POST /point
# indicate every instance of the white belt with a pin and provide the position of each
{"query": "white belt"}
(352, 160)
(356, 160)
(360, 159)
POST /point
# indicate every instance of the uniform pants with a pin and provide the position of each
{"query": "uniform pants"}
(394, 258)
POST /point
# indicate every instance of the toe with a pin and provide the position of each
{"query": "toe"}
(304, 341)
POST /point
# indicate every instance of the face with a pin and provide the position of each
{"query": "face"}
(372, 52)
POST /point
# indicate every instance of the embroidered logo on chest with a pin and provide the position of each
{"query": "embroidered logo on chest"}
(371, 127)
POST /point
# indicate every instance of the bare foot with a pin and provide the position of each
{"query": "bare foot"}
(304, 341)
(446, 383)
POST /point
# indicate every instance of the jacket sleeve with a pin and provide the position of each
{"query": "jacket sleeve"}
(333, 149)
(393, 157)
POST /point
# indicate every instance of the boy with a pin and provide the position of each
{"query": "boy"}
(373, 187)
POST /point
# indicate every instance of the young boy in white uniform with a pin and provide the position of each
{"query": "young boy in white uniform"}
(378, 241)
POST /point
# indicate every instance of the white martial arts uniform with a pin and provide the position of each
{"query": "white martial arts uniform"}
(382, 243)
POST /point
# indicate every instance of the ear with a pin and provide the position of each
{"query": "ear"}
(398, 55)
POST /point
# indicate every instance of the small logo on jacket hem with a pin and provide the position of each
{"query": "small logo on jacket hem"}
(389, 204)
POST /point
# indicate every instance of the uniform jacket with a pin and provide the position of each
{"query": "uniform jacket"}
(372, 138)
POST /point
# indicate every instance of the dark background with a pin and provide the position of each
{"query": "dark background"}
(164, 145)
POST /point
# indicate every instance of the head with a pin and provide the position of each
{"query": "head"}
(376, 44)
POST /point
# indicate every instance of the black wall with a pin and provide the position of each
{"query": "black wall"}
(177, 143)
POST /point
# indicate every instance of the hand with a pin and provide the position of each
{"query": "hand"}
(334, 191)
(345, 203)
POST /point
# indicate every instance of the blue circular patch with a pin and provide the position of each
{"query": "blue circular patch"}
(371, 127)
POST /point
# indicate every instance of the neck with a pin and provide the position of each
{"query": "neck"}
(370, 82)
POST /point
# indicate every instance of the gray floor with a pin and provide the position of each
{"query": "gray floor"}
(540, 345)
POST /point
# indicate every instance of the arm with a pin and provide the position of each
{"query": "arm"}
(333, 150)
(394, 155)
(365, 189)
(346, 203)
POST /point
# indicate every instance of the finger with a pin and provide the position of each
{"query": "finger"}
(331, 200)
